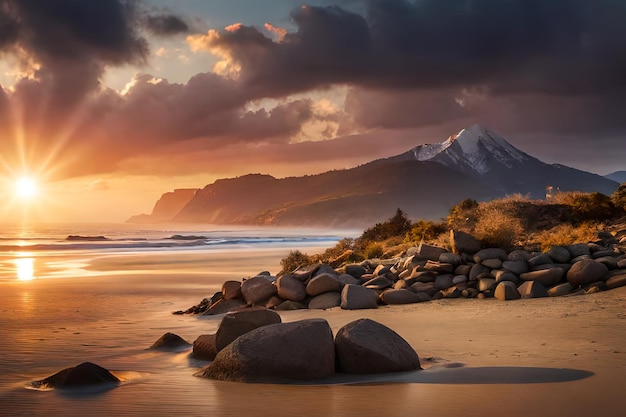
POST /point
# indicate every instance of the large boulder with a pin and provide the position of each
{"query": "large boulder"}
(257, 289)
(586, 272)
(290, 288)
(300, 350)
(84, 375)
(367, 347)
(241, 322)
(204, 347)
(170, 341)
(356, 297)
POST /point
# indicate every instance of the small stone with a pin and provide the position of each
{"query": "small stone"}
(532, 289)
(325, 301)
(170, 341)
(561, 289)
(506, 290)
(257, 289)
(547, 277)
(490, 253)
(559, 254)
(356, 297)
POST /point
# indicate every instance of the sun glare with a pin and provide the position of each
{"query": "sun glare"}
(26, 188)
(25, 269)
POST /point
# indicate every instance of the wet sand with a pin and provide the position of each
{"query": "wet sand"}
(542, 357)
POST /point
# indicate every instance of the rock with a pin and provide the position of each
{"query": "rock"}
(492, 263)
(429, 252)
(300, 350)
(561, 289)
(378, 283)
(346, 279)
(581, 258)
(609, 261)
(438, 267)
(257, 289)
(443, 282)
(324, 269)
(424, 287)
(224, 306)
(423, 276)
(486, 284)
(519, 255)
(532, 289)
(170, 341)
(506, 290)
(604, 253)
(367, 347)
(578, 249)
(476, 270)
(502, 275)
(290, 306)
(458, 279)
(399, 297)
(204, 347)
(586, 272)
(355, 270)
(83, 375)
(516, 267)
(452, 292)
(231, 290)
(290, 288)
(450, 258)
(273, 302)
(469, 293)
(322, 283)
(462, 242)
(241, 322)
(559, 254)
(325, 301)
(621, 264)
(463, 270)
(490, 253)
(541, 259)
(423, 297)
(305, 273)
(616, 281)
(356, 297)
(547, 277)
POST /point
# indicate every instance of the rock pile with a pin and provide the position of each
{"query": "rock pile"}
(305, 350)
(428, 272)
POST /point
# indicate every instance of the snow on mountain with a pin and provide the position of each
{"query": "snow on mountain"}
(475, 150)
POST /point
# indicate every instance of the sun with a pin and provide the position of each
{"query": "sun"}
(26, 188)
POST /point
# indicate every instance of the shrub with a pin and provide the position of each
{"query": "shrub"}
(398, 225)
(619, 197)
(424, 230)
(293, 261)
(336, 251)
(373, 250)
(566, 234)
(588, 206)
(496, 228)
(463, 215)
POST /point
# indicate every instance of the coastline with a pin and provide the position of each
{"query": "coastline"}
(509, 351)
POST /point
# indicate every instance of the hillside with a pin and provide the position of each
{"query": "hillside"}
(425, 181)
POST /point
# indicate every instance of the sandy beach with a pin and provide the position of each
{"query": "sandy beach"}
(539, 357)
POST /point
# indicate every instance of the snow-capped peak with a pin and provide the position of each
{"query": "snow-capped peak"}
(475, 147)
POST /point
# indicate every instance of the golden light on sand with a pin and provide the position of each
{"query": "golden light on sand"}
(25, 269)
(26, 188)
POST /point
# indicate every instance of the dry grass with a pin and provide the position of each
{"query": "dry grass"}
(496, 227)
(565, 234)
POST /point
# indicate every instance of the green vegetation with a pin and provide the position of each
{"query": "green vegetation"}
(512, 222)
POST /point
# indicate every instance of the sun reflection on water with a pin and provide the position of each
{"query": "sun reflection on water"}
(25, 269)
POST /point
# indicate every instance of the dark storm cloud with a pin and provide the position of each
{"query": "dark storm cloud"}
(166, 25)
(560, 46)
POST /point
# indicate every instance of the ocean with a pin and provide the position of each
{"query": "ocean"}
(105, 292)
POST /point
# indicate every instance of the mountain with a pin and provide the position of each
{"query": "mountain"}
(166, 207)
(424, 181)
(619, 176)
(490, 159)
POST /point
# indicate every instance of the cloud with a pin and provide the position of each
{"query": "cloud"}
(519, 66)
(166, 25)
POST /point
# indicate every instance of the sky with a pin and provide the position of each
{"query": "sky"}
(107, 104)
